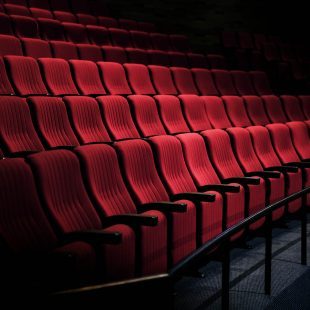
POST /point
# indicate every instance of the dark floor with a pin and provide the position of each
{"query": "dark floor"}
(290, 279)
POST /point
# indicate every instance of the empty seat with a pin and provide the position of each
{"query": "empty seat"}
(98, 35)
(86, 119)
(141, 175)
(36, 48)
(116, 113)
(161, 41)
(5, 24)
(72, 211)
(160, 58)
(114, 54)
(197, 60)
(147, 26)
(243, 83)
(114, 78)
(171, 114)
(41, 13)
(67, 17)
(43, 4)
(87, 78)
(178, 59)
(12, 9)
(256, 110)
(25, 27)
(162, 80)
(25, 75)
(86, 19)
(10, 45)
(64, 50)
(224, 82)
(108, 22)
(274, 109)
(75, 33)
(51, 29)
(305, 103)
(204, 82)
(236, 111)
(16, 129)
(139, 79)
(60, 5)
(5, 84)
(137, 56)
(141, 39)
(216, 112)
(120, 37)
(128, 24)
(89, 52)
(180, 42)
(146, 115)
(184, 81)
(58, 84)
(195, 112)
(261, 83)
(216, 61)
(292, 108)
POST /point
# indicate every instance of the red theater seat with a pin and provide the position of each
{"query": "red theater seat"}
(161, 41)
(13, 9)
(184, 81)
(64, 50)
(75, 33)
(10, 45)
(180, 42)
(25, 27)
(292, 108)
(86, 19)
(141, 39)
(98, 35)
(90, 52)
(41, 13)
(108, 22)
(137, 56)
(162, 80)
(120, 37)
(114, 54)
(5, 24)
(63, 16)
(5, 84)
(243, 83)
(256, 110)
(204, 82)
(51, 29)
(128, 24)
(274, 109)
(36, 48)
(261, 83)
(224, 82)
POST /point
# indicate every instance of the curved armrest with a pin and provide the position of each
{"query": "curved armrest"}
(243, 180)
(221, 188)
(303, 164)
(130, 220)
(196, 197)
(163, 206)
(284, 169)
(94, 236)
(265, 174)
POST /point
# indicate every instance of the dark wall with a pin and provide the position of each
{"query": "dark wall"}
(202, 20)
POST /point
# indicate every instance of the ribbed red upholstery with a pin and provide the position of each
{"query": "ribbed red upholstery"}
(89, 52)
(137, 55)
(5, 24)
(98, 35)
(178, 59)
(159, 58)
(195, 112)
(87, 78)
(204, 82)
(184, 81)
(161, 41)
(66, 17)
(268, 158)
(146, 115)
(196, 60)
(120, 37)
(86, 119)
(224, 160)
(216, 112)
(224, 82)
(43, 4)
(141, 39)
(17, 131)
(236, 111)
(51, 29)
(171, 114)
(128, 24)
(13, 9)
(114, 54)
(274, 109)
(243, 82)
(25, 75)
(60, 5)
(116, 113)
(41, 13)
(141, 175)
(52, 121)
(139, 79)
(146, 26)
(261, 83)
(162, 80)
(64, 50)
(292, 108)
(86, 19)
(10, 45)
(75, 33)
(59, 175)
(180, 42)
(58, 84)
(25, 27)
(216, 61)
(256, 110)
(305, 103)
(114, 78)
(110, 194)
(36, 48)
(108, 22)
(5, 84)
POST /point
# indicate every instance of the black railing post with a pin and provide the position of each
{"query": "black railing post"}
(225, 275)
(268, 253)
(304, 231)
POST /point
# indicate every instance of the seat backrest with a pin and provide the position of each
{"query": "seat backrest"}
(229, 39)
(216, 112)
(104, 179)
(5, 24)
(36, 48)
(196, 60)
(243, 82)
(52, 121)
(75, 33)
(86, 119)
(114, 78)
(217, 61)
(17, 133)
(160, 58)
(180, 42)
(25, 27)
(261, 83)
(114, 54)
(86, 19)
(305, 104)
(128, 24)
(160, 41)
(256, 110)
(89, 52)
(58, 84)
(98, 35)
(204, 82)
(87, 78)
(178, 59)
(66, 17)
(146, 115)
(25, 75)
(120, 37)
(19, 199)
(162, 80)
(171, 114)
(108, 22)
(60, 183)
(184, 81)
(224, 82)
(147, 26)
(51, 29)
(64, 50)
(5, 84)
(10, 45)
(274, 109)
(195, 112)
(41, 13)
(116, 113)
(16, 9)
(292, 108)
(141, 39)
(139, 169)
(236, 111)
(137, 56)
(139, 79)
